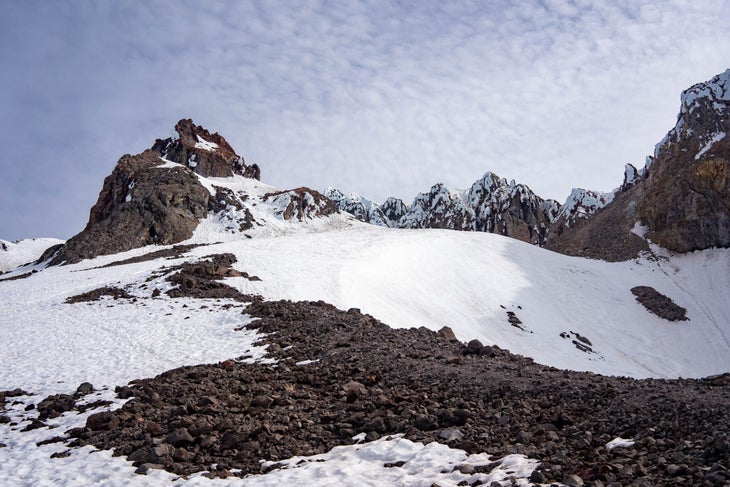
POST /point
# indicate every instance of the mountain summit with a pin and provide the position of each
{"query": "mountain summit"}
(157, 197)
(206, 154)
(680, 199)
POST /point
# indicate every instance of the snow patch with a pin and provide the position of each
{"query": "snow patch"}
(716, 138)
(205, 145)
(639, 229)
(619, 443)
(15, 254)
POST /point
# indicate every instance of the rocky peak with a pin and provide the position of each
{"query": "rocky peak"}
(682, 195)
(206, 154)
(300, 204)
(492, 204)
(393, 209)
(703, 116)
(360, 207)
(632, 175)
(438, 208)
(583, 203)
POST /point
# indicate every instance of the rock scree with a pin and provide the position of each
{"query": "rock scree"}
(340, 373)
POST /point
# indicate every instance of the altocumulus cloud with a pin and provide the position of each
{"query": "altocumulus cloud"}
(383, 98)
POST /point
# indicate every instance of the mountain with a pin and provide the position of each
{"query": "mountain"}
(680, 199)
(207, 326)
(158, 197)
(492, 204)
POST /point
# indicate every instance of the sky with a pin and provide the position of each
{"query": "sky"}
(380, 98)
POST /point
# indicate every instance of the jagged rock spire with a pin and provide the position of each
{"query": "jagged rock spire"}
(207, 154)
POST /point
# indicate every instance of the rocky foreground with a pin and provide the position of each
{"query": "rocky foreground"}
(340, 373)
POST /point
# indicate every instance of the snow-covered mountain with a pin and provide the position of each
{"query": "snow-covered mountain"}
(491, 204)
(15, 254)
(184, 237)
(682, 194)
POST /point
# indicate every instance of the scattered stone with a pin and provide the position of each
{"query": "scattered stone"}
(573, 480)
(473, 347)
(84, 389)
(451, 434)
(388, 381)
(447, 333)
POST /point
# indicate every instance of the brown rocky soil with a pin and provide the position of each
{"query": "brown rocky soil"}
(362, 376)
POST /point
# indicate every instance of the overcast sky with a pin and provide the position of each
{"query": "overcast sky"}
(381, 98)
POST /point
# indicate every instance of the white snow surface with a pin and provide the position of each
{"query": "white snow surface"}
(619, 443)
(14, 254)
(205, 144)
(716, 138)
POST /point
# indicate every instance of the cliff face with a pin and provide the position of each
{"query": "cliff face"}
(144, 201)
(686, 201)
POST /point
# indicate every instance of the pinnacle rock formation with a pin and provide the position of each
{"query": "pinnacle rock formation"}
(156, 197)
(491, 204)
(206, 154)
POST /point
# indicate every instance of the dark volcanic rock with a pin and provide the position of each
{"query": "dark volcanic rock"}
(97, 294)
(148, 201)
(367, 377)
(202, 279)
(659, 304)
(140, 204)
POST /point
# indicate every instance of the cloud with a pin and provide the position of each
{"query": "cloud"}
(384, 98)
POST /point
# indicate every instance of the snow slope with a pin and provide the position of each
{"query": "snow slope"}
(469, 281)
(14, 254)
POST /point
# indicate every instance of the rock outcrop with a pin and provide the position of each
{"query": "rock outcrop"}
(300, 204)
(142, 202)
(686, 202)
(682, 194)
(204, 153)
(156, 197)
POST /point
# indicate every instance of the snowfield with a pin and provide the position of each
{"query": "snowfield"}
(469, 281)
(14, 254)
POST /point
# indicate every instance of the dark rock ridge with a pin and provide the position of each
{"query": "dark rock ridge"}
(492, 204)
(340, 373)
(156, 198)
(681, 195)
(142, 202)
